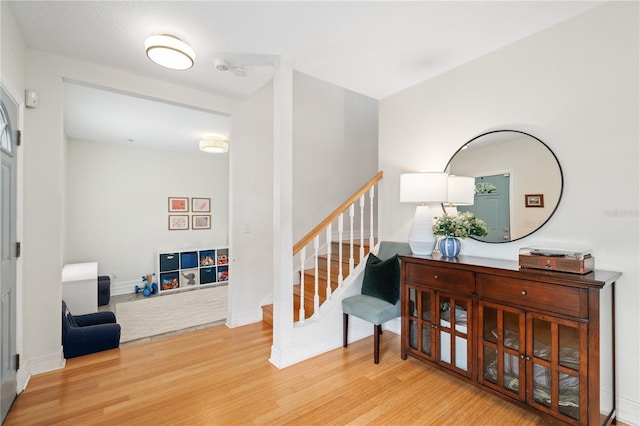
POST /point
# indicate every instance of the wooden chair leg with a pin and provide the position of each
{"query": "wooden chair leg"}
(345, 327)
(377, 331)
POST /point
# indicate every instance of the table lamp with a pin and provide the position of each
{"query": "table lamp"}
(461, 192)
(423, 188)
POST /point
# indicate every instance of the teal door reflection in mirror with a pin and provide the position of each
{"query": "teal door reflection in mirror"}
(528, 166)
(491, 203)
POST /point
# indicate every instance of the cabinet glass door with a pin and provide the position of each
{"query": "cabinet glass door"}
(420, 320)
(454, 343)
(501, 337)
(427, 322)
(557, 347)
(413, 318)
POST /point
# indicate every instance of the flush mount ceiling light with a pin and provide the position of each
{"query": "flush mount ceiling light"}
(214, 144)
(169, 51)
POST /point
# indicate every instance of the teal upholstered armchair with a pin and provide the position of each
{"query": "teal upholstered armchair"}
(379, 300)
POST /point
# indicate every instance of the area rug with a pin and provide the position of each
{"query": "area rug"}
(166, 313)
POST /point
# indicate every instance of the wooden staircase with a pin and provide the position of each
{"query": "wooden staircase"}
(309, 280)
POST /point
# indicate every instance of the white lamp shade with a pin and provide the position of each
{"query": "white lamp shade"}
(461, 191)
(169, 52)
(214, 144)
(427, 187)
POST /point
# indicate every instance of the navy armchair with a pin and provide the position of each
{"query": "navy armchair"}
(85, 334)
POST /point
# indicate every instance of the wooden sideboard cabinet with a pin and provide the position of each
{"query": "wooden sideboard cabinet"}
(542, 340)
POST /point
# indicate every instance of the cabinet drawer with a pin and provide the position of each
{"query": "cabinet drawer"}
(440, 278)
(549, 297)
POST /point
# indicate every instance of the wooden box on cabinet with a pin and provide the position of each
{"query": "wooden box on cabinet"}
(542, 340)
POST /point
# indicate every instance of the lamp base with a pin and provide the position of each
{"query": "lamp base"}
(422, 248)
(421, 238)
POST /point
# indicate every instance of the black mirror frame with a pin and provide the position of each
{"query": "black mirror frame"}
(559, 169)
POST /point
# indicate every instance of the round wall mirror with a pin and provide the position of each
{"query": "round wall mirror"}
(518, 182)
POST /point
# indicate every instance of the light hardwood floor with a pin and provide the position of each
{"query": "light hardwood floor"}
(222, 376)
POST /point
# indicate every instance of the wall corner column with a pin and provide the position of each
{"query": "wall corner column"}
(282, 208)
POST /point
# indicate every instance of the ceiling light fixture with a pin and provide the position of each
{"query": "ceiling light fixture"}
(214, 144)
(169, 51)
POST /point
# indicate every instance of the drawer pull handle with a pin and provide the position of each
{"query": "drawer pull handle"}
(524, 292)
(435, 276)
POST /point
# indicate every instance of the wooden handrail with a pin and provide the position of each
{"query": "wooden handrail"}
(322, 225)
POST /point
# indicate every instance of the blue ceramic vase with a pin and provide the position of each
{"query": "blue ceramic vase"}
(449, 246)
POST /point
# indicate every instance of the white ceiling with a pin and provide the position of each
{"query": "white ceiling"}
(374, 48)
(97, 115)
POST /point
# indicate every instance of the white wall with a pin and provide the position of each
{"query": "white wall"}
(574, 86)
(116, 206)
(251, 192)
(335, 132)
(12, 58)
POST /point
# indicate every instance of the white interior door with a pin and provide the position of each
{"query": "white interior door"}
(8, 251)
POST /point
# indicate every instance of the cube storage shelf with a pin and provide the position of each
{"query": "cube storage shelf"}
(181, 269)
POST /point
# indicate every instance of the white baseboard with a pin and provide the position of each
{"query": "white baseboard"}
(628, 411)
(394, 325)
(244, 318)
(358, 329)
(44, 363)
(23, 376)
(124, 287)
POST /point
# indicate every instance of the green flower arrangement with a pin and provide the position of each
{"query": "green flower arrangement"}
(462, 225)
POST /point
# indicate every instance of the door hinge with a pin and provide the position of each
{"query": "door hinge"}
(17, 361)
(18, 249)
(19, 141)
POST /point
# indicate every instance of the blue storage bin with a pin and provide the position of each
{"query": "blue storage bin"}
(188, 259)
(169, 262)
(208, 275)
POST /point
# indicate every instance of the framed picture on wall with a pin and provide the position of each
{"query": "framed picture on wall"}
(178, 204)
(201, 221)
(200, 205)
(534, 200)
(178, 222)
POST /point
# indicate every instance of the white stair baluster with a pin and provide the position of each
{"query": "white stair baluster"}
(361, 227)
(340, 232)
(351, 214)
(328, 262)
(329, 253)
(371, 197)
(302, 261)
(316, 295)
